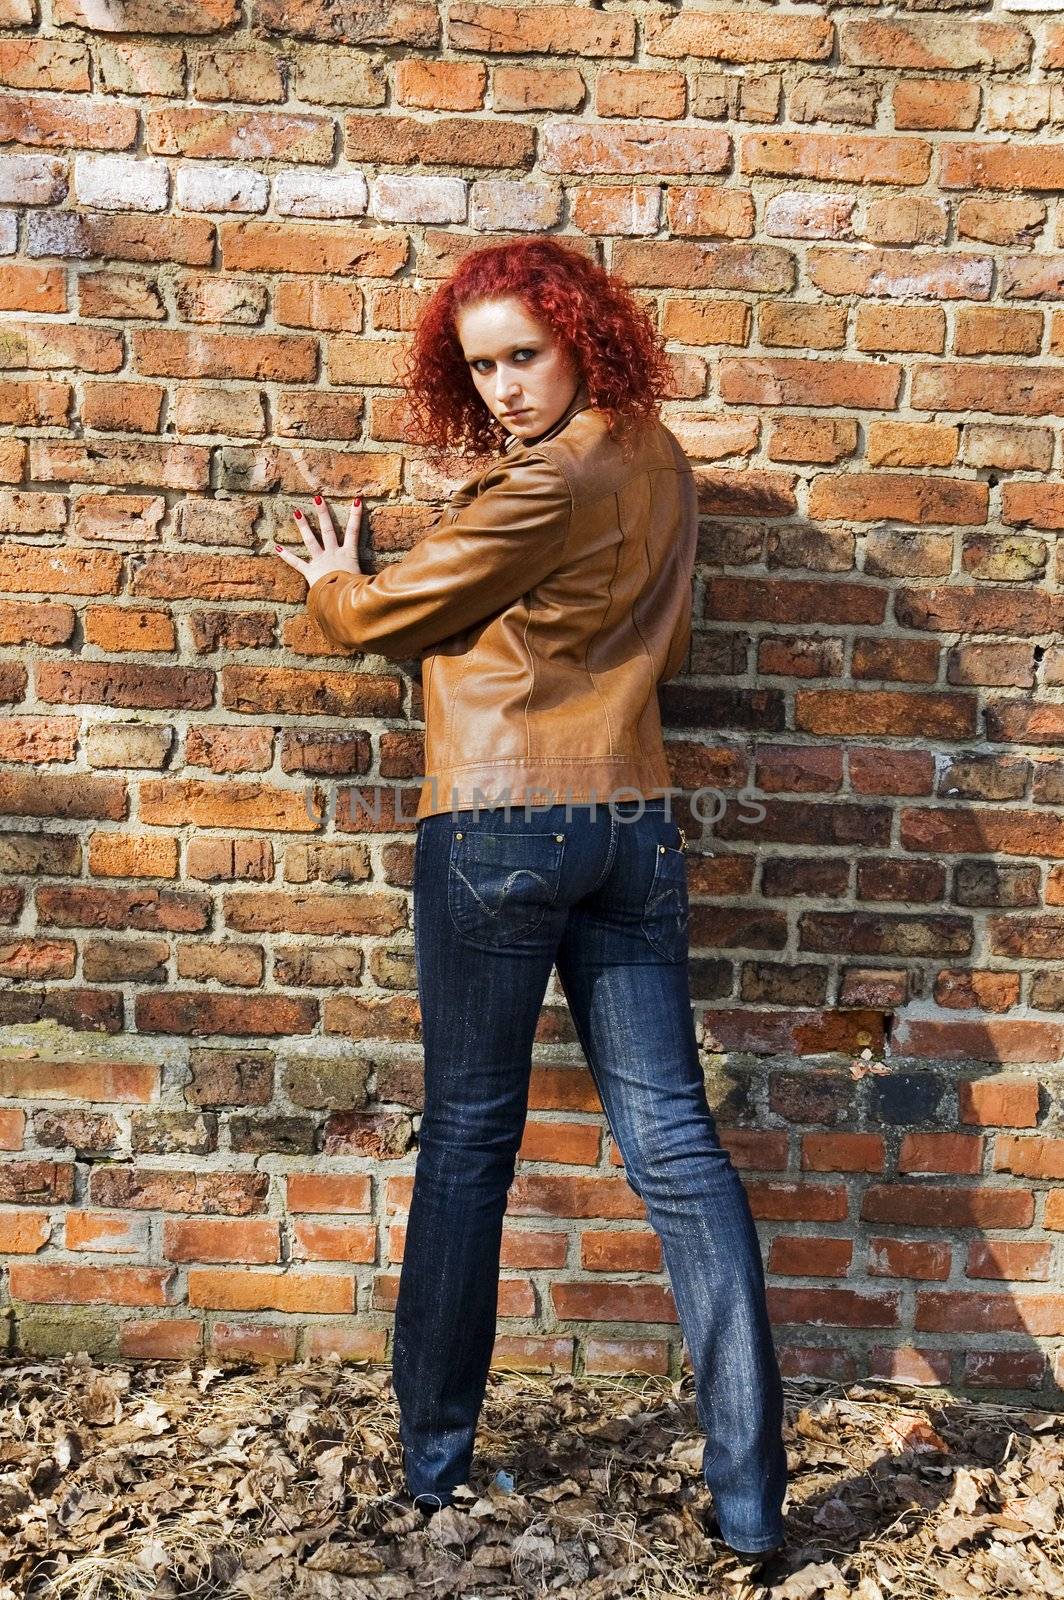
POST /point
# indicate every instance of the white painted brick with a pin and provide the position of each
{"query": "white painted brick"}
(309, 192)
(8, 232)
(32, 180)
(1048, 7)
(797, 215)
(121, 183)
(503, 203)
(397, 198)
(203, 187)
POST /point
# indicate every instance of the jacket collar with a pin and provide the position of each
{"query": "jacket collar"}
(579, 402)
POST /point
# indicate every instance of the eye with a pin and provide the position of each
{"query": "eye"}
(523, 351)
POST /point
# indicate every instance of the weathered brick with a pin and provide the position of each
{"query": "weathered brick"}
(547, 30)
(739, 37)
(148, 16)
(792, 380)
(971, 165)
(60, 121)
(898, 273)
(829, 157)
(951, 44)
(248, 135)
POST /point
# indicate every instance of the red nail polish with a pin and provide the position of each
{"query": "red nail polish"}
(277, 547)
(358, 501)
(297, 513)
(317, 499)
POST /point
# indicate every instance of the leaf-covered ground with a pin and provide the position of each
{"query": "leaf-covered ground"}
(247, 1481)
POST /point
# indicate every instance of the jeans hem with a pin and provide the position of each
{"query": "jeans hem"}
(752, 1547)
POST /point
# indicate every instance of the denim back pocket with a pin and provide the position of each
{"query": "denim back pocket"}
(666, 911)
(500, 886)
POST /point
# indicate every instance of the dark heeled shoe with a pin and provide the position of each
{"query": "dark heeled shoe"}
(427, 1504)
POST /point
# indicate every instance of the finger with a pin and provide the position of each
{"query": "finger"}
(354, 523)
(313, 547)
(325, 523)
(293, 561)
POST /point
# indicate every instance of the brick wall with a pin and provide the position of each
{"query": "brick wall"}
(216, 232)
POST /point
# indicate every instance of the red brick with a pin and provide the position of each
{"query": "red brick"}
(842, 1152)
(1018, 1260)
(1000, 1312)
(951, 45)
(498, 29)
(816, 1361)
(739, 37)
(810, 1257)
(63, 1284)
(999, 1103)
(1029, 1157)
(927, 1206)
(795, 380)
(1001, 166)
(1004, 1369)
(873, 496)
(906, 1365)
(908, 1258)
(836, 158)
(61, 121)
(618, 1302)
(848, 1308)
(941, 1152)
(622, 1355)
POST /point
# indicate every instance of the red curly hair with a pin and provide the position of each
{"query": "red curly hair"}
(609, 334)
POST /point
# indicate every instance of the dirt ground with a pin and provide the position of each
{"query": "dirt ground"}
(175, 1480)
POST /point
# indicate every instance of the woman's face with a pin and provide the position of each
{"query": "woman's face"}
(517, 365)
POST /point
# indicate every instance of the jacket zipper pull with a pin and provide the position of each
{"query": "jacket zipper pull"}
(683, 838)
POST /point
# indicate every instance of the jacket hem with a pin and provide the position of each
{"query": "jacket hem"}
(489, 785)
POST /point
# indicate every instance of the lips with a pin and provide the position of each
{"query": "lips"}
(520, 413)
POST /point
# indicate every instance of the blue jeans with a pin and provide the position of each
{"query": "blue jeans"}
(498, 900)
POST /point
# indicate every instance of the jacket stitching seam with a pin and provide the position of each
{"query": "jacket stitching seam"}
(562, 551)
(587, 668)
(648, 655)
(591, 495)
(524, 761)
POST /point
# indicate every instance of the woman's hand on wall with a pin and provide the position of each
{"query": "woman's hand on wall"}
(328, 556)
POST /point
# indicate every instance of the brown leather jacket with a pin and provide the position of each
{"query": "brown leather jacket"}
(551, 599)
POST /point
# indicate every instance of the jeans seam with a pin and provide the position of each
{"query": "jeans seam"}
(610, 854)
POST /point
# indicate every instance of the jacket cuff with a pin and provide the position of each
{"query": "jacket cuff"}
(324, 599)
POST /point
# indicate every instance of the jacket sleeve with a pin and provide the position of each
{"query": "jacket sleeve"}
(476, 561)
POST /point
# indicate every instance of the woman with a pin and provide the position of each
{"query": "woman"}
(548, 604)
